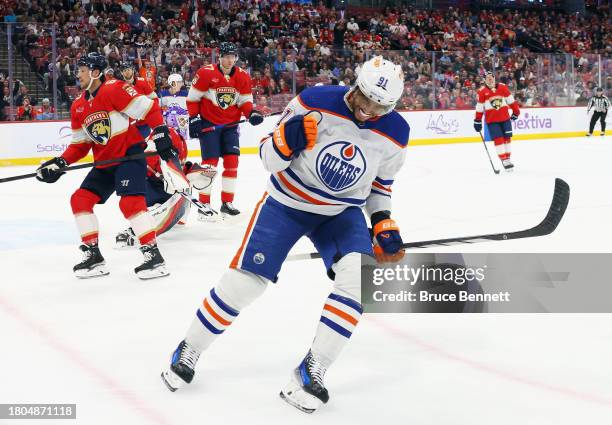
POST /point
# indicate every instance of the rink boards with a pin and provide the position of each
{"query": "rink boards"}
(31, 142)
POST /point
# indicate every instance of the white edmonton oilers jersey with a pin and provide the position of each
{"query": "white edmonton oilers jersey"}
(352, 164)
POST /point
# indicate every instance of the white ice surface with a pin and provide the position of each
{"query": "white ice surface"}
(102, 343)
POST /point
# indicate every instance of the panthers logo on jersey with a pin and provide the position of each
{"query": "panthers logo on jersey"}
(226, 97)
(98, 127)
(497, 102)
(340, 165)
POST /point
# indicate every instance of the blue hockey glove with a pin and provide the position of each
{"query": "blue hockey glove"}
(478, 126)
(294, 135)
(255, 118)
(195, 127)
(163, 142)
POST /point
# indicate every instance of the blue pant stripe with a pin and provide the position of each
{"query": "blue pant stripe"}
(336, 327)
(221, 304)
(207, 324)
(347, 301)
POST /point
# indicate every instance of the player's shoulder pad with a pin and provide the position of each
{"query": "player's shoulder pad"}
(393, 126)
(206, 69)
(328, 99)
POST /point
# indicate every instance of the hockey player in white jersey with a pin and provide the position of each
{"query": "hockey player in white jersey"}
(335, 151)
(173, 102)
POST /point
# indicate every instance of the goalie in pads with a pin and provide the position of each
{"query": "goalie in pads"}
(167, 190)
(335, 151)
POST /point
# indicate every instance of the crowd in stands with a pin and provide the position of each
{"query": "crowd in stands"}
(546, 57)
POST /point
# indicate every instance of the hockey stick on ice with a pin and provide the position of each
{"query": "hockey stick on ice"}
(547, 226)
(231, 124)
(495, 170)
(87, 165)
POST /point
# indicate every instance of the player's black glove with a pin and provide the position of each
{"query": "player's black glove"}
(255, 118)
(163, 142)
(195, 127)
(49, 171)
(478, 126)
(514, 117)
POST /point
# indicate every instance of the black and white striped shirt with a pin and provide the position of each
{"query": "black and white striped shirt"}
(599, 104)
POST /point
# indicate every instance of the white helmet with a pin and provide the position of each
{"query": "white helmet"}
(382, 81)
(174, 78)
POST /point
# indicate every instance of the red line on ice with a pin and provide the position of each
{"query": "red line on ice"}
(483, 367)
(122, 393)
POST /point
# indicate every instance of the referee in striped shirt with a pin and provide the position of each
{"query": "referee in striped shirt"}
(600, 105)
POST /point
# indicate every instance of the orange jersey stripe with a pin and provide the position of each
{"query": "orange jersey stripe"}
(299, 192)
(341, 313)
(234, 263)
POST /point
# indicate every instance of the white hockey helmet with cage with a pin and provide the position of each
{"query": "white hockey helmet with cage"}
(174, 78)
(382, 81)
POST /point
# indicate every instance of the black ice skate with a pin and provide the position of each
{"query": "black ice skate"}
(93, 264)
(306, 391)
(508, 165)
(125, 239)
(588, 134)
(229, 210)
(603, 133)
(153, 266)
(206, 213)
(182, 367)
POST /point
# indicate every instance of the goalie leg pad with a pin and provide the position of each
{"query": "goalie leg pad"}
(166, 215)
(202, 176)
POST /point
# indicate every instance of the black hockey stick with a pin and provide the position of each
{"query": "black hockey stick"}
(87, 165)
(232, 124)
(547, 226)
(495, 170)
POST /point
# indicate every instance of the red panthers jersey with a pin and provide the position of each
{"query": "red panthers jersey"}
(103, 121)
(220, 98)
(179, 144)
(494, 103)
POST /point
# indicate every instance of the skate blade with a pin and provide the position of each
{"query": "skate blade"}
(124, 247)
(213, 218)
(295, 395)
(172, 381)
(509, 170)
(231, 219)
(157, 272)
(97, 271)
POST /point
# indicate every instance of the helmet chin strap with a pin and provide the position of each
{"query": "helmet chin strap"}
(91, 79)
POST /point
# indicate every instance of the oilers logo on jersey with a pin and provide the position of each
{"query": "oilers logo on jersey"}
(226, 97)
(340, 165)
(98, 127)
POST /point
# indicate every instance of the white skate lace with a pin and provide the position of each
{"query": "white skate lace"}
(189, 356)
(148, 255)
(87, 254)
(316, 370)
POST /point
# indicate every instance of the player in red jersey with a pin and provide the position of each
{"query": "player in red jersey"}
(102, 122)
(140, 84)
(495, 101)
(127, 74)
(220, 94)
(166, 203)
